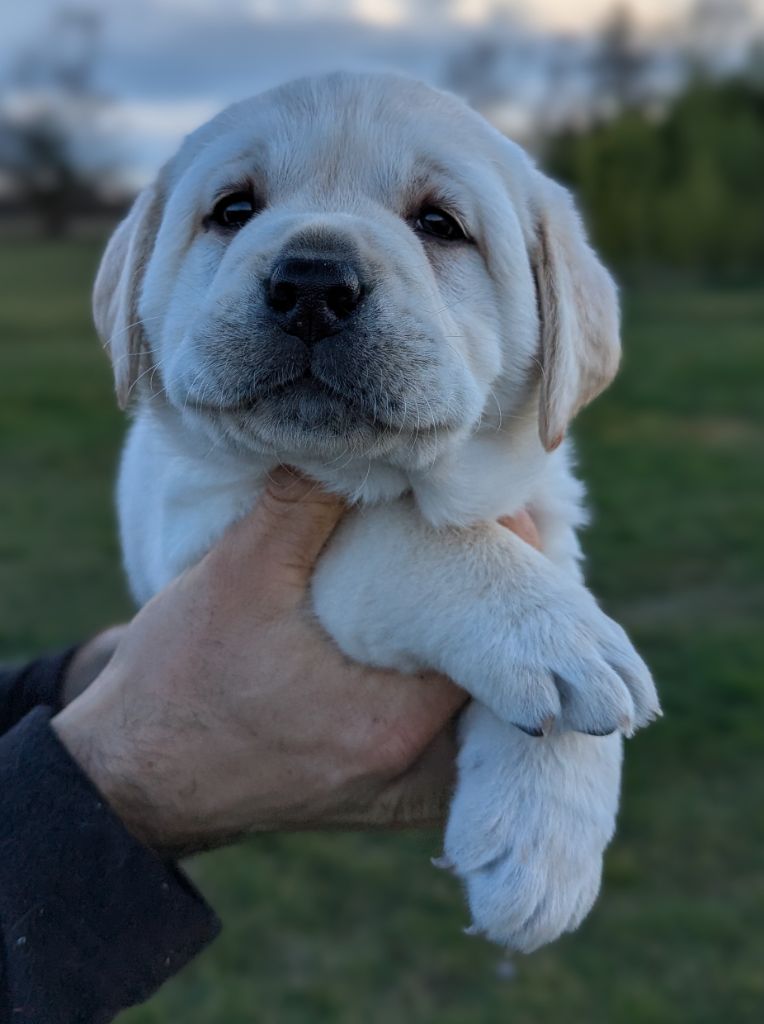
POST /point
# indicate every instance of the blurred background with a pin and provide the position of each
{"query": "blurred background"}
(653, 112)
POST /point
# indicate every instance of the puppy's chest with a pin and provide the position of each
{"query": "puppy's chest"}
(175, 502)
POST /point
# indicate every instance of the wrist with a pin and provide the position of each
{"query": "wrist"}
(105, 758)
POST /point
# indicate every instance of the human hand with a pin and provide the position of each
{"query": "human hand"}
(225, 708)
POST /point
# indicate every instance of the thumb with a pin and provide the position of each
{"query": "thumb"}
(288, 527)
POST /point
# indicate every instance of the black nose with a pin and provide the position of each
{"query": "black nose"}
(312, 297)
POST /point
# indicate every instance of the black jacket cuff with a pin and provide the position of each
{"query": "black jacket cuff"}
(24, 687)
(92, 922)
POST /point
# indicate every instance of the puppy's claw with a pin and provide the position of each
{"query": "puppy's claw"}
(529, 730)
(626, 727)
(547, 725)
(442, 863)
(543, 729)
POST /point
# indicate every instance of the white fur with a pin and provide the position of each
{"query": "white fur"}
(418, 575)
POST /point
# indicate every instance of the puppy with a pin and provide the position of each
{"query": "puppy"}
(356, 275)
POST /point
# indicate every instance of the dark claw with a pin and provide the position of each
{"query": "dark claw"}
(528, 730)
(537, 731)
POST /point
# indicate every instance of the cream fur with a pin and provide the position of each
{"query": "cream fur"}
(475, 358)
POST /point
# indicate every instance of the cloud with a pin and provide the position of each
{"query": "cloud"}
(169, 64)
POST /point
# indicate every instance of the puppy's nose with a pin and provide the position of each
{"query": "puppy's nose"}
(311, 298)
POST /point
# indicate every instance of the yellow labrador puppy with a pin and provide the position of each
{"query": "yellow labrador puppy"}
(357, 275)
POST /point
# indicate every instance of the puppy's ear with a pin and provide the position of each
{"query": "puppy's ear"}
(117, 288)
(580, 321)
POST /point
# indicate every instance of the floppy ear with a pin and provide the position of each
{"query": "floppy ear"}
(117, 288)
(580, 321)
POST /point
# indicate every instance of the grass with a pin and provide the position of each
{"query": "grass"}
(349, 928)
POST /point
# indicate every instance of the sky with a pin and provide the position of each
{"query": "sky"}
(170, 64)
(18, 21)
(572, 15)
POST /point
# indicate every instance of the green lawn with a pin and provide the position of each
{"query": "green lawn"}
(356, 928)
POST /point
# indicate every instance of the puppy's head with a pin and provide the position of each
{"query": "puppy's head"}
(355, 265)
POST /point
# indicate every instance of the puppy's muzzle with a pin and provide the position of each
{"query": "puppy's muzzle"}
(314, 298)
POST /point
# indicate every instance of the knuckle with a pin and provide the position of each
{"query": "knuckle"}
(285, 491)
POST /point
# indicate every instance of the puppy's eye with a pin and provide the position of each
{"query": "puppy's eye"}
(432, 221)
(235, 210)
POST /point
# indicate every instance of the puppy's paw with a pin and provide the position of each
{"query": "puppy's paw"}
(528, 828)
(523, 905)
(560, 663)
(602, 681)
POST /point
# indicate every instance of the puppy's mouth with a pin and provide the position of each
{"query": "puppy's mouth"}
(308, 386)
(307, 400)
(294, 391)
(348, 394)
(311, 404)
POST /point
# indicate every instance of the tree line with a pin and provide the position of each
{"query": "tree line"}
(683, 188)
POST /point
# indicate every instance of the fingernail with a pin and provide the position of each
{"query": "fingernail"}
(283, 476)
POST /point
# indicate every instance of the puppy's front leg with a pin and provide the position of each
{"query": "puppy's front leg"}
(481, 606)
(532, 814)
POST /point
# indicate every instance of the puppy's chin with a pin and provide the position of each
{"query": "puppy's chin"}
(308, 421)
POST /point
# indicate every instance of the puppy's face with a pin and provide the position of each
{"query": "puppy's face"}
(345, 266)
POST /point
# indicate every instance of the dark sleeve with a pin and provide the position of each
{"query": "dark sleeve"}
(91, 921)
(27, 686)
